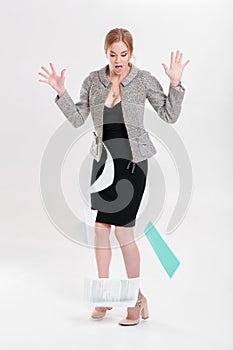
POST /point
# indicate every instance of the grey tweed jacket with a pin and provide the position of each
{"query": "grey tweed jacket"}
(135, 88)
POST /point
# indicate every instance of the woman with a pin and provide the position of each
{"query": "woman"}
(115, 95)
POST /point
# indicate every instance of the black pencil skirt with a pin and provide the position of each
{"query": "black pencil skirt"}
(118, 203)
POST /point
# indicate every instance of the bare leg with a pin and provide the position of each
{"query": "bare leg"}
(103, 252)
(129, 248)
(131, 255)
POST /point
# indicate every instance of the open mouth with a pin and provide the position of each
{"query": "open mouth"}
(118, 68)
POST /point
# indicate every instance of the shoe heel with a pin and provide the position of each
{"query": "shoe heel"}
(144, 311)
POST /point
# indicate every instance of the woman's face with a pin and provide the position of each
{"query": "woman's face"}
(118, 55)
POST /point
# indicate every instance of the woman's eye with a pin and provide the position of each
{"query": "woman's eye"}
(121, 55)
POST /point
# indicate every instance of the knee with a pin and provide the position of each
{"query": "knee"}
(121, 238)
(102, 234)
(102, 230)
(124, 235)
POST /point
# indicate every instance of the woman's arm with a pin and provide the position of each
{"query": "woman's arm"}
(76, 113)
(176, 85)
(168, 106)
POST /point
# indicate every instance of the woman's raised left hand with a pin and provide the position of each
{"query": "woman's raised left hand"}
(176, 68)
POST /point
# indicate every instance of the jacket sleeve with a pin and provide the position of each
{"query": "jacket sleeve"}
(167, 107)
(76, 113)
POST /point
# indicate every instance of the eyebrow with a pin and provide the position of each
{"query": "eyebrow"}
(121, 51)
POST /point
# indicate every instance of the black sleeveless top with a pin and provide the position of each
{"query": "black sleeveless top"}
(113, 122)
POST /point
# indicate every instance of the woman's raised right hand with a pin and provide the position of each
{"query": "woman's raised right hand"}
(54, 80)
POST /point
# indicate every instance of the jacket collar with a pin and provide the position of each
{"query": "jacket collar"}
(132, 74)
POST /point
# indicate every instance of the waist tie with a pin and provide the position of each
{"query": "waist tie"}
(133, 166)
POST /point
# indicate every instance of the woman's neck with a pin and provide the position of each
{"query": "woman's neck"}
(116, 77)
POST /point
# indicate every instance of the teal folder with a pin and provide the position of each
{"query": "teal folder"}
(161, 249)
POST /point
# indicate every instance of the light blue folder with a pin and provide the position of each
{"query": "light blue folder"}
(161, 249)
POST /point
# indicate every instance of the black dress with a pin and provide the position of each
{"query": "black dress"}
(118, 203)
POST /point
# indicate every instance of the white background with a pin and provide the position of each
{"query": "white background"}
(41, 271)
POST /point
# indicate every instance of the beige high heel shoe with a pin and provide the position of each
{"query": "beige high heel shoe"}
(142, 312)
(99, 314)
